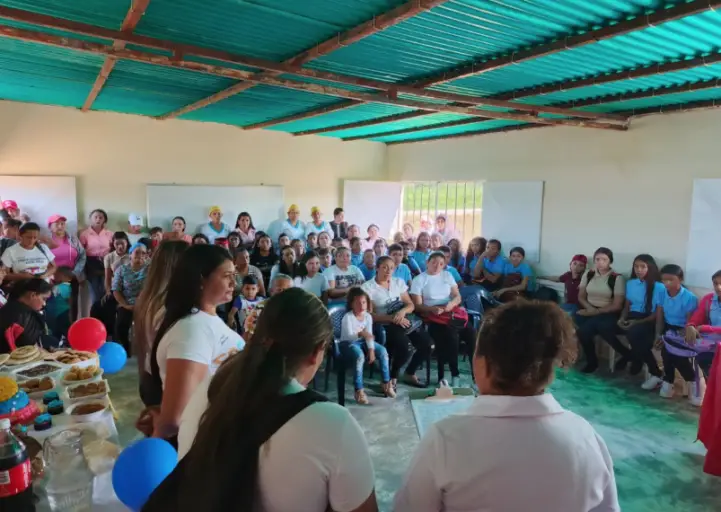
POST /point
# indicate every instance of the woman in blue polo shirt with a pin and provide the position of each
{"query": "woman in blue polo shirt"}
(489, 269)
(676, 307)
(423, 249)
(644, 291)
(517, 276)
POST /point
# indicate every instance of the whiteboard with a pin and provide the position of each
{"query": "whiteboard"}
(372, 202)
(42, 196)
(704, 234)
(264, 203)
(512, 214)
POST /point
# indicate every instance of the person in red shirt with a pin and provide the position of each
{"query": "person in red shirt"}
(572, 280)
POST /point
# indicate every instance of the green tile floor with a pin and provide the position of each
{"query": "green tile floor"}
(652, 441)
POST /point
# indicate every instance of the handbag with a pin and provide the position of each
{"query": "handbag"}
(457, 318)
(395, 306)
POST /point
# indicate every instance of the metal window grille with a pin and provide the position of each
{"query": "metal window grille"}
(460, 201)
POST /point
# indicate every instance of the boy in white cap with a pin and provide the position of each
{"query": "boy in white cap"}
(135, 228)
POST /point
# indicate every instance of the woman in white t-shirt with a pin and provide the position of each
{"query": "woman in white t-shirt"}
(314, 458)
(192, 341)
(436, 292)
(391, 307)
(29, 258)
(310, 278)
(514, 432)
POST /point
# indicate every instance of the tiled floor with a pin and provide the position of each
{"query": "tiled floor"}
(658, 464)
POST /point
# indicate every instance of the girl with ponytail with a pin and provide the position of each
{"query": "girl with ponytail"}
(254, 438)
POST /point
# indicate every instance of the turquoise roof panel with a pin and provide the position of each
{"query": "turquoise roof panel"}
(36, 73)
(259, 104)
(361, 112)
(428, 120)
(103, 13)
(438, 132)
(268, 29)
(657, 101)
(135, 87)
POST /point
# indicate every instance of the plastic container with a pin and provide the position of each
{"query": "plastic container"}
(66, 396)
(18, 372)
(38, 395)
(98, 376)
(87, 418)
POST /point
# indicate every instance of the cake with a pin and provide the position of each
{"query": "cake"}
(43, 422)
(15, 404)
(56, 407)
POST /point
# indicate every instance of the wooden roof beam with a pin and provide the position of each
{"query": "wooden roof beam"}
(179, 63)
(132, 18)
(385, 88)
(591, 36)
(350, 36)
(566, 85)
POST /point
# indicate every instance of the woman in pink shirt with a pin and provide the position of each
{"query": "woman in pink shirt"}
(97, 242)
(245, 228)
(68, 252)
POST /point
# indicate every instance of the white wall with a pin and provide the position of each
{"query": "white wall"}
(628, 191)
(114, 156)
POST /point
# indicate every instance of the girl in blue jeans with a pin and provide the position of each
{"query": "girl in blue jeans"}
(356, 336)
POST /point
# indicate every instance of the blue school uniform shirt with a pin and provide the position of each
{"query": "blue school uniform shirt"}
(496, 266)
(368, 273)
(420, 258)
(524, 269)
(413, 266)
(676, 309)
(454, 273)
(356, 259)
(403, 272)
(636, 295)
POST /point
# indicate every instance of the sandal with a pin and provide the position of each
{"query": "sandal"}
(414, 381)
(388, 390)
(361, 398)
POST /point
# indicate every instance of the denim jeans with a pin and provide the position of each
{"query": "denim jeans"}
(354, 354)
(570, 308)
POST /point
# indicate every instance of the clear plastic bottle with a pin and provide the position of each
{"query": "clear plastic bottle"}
(68, 479)
(16, 490)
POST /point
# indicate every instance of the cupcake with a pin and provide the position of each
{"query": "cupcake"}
(56, 407)
(43, 422)
(50, 396)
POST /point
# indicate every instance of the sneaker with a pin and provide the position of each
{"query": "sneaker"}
(696, 397)
(455, 382)
(652, 383)
(666, 390)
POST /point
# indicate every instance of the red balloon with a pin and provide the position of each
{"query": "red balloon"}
(87, 334)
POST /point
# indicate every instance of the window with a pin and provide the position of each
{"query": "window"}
(459, 201)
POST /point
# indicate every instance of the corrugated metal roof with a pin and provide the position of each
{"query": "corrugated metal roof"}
(449, 35)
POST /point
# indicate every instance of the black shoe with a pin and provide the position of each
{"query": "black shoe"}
(636, 368)
(621, 364)
(589, 368)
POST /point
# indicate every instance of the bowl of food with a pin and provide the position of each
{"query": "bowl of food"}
(37, 369)
(87, 411)
(37, 386)
(79, 374)
(91, 390)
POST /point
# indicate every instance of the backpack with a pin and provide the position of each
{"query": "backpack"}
(611, 280)
(167, 495)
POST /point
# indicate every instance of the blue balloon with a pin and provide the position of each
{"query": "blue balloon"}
(140, 468)
(112, 357)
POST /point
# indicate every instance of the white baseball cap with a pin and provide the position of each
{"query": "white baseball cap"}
(135, 220)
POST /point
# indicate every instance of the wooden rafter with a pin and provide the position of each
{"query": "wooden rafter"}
(633, 113)
(180, 51)
(368, 28)
(136, 11)
(562, 44)
(555, 87)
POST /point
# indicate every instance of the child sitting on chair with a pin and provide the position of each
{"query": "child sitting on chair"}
(356, 335)
(706, 321)
(673, 313)
(244, 303)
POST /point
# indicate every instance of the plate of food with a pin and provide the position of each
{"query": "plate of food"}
(37, 369)
(89, 390)
(72, 357)
(79, 374)
(87, 411)
(24, 355)
(37, 387)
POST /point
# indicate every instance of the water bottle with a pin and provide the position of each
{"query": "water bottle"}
(16, 490)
